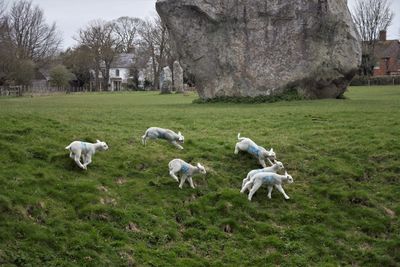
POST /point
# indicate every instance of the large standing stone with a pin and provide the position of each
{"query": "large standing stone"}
(166, 81)
(264, 47)
(141, 80)
(178, 77)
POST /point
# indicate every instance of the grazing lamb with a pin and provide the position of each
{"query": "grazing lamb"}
(274, 168)
(160, 133)
(187, 171)
(246, 144)
(86, 150)
(271, 179)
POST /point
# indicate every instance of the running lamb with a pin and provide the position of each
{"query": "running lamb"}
(274, 168)
(248, 145)
(85, 150)
(271, 179)
(159, 133)
(185, 169)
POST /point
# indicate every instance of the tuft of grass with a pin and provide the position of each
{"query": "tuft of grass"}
(125, 210)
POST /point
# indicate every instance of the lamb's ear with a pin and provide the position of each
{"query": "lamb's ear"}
(286, 174)
(179, 133)
(272, 150)
(98, 141)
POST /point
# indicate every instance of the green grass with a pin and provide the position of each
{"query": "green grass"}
(126, 210)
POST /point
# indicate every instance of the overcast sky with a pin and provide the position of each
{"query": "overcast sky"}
(71, 15)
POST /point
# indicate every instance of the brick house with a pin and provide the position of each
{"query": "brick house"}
(387, 55)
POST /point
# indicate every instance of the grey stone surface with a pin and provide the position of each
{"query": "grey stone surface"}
(166, 80)
(264, 47)
(141, 79)
(178, 77)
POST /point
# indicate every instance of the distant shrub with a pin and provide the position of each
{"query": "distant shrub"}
(291, 95)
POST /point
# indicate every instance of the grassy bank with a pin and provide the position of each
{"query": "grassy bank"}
(126, 210)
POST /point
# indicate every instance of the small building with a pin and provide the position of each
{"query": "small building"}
(41, 80)
(120, 72)
(387, 54)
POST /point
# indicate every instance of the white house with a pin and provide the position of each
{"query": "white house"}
(120, 72)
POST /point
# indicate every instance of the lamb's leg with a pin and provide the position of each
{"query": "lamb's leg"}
(191, 182)
(172, 173)
(88, 160)
(236, 148)
(256, 186)
(270, 191)
(262, 162)
(176, 144)
(78, 162)
(245, 180)
(144, 139)
(246, 186)
(270, 162)
(280, 189)
(71, 155)
(183, 179)
(84, 159)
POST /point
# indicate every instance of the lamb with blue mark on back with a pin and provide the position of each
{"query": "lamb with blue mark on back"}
(186, 171)
(160, 133)
(274, 168)
(269, 178)
(85, 150)
(248, 145)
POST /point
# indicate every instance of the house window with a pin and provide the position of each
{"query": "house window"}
(117, 73)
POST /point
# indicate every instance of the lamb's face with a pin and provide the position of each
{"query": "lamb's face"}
(280, 165)
(271, 154)
(103, 145)
(201, 168)
(289, 179)
(181, 138)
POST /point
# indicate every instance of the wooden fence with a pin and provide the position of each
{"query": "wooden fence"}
(11, 90)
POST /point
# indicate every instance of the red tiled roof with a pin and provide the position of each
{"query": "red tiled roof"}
(387, 49)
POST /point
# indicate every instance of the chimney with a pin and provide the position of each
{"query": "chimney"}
(382, 36)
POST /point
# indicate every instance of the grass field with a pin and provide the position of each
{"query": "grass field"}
(125, 210)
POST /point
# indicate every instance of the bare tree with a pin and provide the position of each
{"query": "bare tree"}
(371, 17)
(155, 38)
(2, 9)
(3, 20)
(99, 37)
(33, 38)
(126, 30)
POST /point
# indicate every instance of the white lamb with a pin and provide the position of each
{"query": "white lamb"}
(274, 168)
(160, 133)
(248, 145)
(86, 150)
(185, 169)
(271, 179)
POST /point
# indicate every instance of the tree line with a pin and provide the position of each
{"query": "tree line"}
(28, 43)
(101, 41)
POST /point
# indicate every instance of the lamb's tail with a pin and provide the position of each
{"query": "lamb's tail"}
(68, 147)
(170, 167)
(240, 138)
